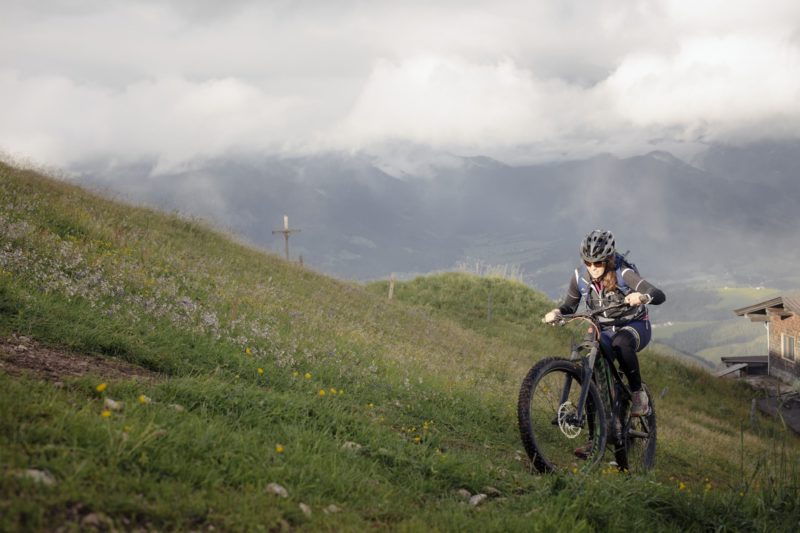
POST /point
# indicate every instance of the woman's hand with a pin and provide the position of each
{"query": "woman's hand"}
(552, 316)
(637, 298)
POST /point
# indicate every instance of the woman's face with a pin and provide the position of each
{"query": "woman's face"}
(596, 270)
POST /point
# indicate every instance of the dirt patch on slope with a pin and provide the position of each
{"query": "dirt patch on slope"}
(22, 355)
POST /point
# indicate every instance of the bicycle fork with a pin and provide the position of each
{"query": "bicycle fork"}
(587, 368)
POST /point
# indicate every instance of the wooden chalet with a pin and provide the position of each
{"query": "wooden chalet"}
(781, 315)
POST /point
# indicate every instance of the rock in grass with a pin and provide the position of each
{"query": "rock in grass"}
(306, 510)
(477, 499)
(37, 476)
(492, 491)
(331, 509)
(274, 488)
(464, 494)
(112, 405)
(97, 521)
(351, 446)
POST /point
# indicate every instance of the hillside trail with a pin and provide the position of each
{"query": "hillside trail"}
(21, 355)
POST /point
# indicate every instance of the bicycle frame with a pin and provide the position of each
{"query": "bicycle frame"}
(616, 391)
(587, 368)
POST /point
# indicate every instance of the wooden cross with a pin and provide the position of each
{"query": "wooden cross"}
(286, 232)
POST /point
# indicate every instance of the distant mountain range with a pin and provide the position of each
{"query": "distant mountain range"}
(729, 216)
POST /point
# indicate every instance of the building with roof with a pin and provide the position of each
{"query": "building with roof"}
(782, 317)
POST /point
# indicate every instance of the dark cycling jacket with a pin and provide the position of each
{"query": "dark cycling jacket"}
(597, 297)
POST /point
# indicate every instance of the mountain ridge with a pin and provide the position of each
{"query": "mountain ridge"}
(699, 217)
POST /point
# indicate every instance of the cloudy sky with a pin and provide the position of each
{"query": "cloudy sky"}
(181, 79)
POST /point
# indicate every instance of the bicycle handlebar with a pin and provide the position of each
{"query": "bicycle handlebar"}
(591, 315)
(597, 312)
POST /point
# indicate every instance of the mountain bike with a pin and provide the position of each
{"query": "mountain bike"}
(571, 410)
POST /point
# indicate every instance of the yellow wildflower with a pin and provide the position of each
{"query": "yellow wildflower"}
(106, 413)
(279, 448)
(248, 351)
(333, 390)
(322, 392)
(308, 375)
(295, 374)
(101, 387)
(260, 371)
(417, 439)
(681, 485)
(144, 399)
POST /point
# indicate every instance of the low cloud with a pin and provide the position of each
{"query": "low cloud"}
(181, 80)
(58, 120)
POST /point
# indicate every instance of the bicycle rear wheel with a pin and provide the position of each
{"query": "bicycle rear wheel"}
(638, 450)
(548, 400)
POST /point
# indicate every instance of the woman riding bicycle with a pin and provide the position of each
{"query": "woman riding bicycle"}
(607, 279)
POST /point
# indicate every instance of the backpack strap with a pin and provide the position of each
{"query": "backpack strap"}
(621, 285)
(622, 265)
(582, 278)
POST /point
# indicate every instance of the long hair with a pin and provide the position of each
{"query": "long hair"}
(610, 276)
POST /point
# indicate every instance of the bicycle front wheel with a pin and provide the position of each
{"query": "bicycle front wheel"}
(553, 435)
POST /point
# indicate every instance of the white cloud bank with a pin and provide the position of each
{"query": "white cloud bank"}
(182, 80)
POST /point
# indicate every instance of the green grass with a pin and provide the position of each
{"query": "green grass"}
(419, 394)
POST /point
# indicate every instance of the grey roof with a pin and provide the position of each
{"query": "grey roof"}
(790, 302)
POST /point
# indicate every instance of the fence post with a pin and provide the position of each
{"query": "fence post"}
(489, 304)
(391, 286)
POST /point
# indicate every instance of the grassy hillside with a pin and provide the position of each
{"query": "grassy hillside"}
(157, 374)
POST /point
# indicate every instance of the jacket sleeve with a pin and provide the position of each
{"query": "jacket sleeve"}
(573, 298)
(639, 284)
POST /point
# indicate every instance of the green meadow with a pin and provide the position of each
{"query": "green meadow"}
(214, 386)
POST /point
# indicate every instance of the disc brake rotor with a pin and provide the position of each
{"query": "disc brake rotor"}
(566, 414)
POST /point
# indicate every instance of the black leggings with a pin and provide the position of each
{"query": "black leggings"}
(624, 345)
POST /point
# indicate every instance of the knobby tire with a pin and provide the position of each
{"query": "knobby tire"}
(549, 448)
